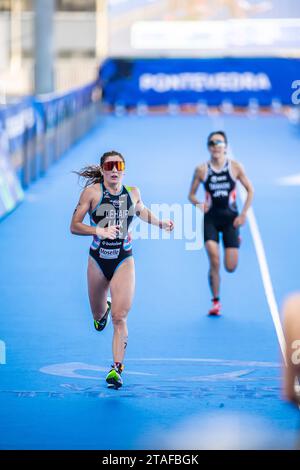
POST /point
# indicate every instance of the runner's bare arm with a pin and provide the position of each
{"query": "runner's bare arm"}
(82, 208)
(244, 180)
(146, 215)
(198, 177)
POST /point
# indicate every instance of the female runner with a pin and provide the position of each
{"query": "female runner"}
(219, 176)
(111, 207)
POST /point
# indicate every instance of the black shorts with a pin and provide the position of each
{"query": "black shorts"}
(110, 255)
(216, 222)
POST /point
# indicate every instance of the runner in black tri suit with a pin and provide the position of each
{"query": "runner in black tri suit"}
(219, 177)
(111, 207)
(118, 210)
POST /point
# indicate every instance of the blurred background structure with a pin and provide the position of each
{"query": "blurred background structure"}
(83, 33)
(72, 32)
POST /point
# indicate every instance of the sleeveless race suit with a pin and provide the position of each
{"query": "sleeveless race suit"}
(112, 210)
(220, 192)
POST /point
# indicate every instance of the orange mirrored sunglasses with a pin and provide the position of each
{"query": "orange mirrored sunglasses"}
(108, 166)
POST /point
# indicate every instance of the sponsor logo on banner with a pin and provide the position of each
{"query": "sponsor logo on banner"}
(198, 81)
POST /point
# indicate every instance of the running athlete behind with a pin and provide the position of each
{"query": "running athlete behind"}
(219, 176)
(111, 207)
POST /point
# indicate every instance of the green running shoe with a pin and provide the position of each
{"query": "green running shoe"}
(101, 324)
(113, 378)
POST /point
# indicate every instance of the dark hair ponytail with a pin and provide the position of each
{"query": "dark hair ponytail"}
(92, 173)
(222, 133)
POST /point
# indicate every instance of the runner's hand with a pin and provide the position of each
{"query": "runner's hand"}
(203, 207)
(167, 225)
(110, 232)
(239, 220)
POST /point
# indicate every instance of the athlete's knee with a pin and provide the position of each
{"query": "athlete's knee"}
(119, 318)
(231, 263)
(230, 268)
(214, 263)
(231, 260)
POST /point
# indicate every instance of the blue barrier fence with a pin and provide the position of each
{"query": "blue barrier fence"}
(11, 193)
(240, 81)
(39, 130)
